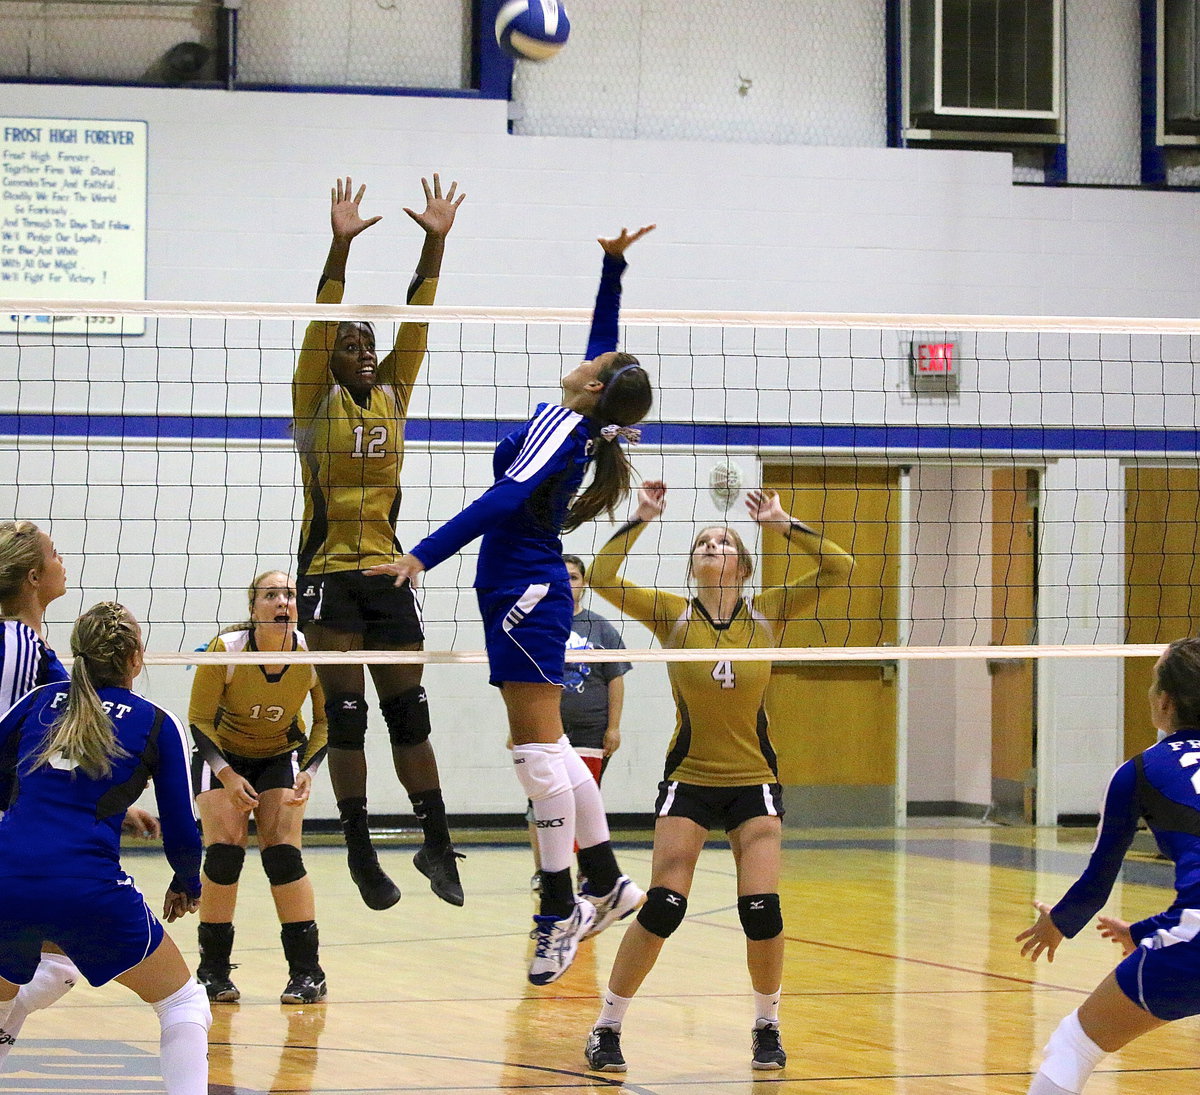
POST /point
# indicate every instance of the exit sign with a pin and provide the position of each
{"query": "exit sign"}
(934, 359)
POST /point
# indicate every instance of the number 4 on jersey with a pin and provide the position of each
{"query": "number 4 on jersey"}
(723, 672)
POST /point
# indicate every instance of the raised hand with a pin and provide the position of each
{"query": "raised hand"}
(438, 216)
(404, 569)
(1041, 936)
(344, 216)
(765, 508)
(618, 245)
(652, 499)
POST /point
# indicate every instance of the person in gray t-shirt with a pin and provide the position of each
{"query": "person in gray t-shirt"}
(593, 692)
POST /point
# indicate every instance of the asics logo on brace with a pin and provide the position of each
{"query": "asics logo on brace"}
(551, 823)
(7, 1039)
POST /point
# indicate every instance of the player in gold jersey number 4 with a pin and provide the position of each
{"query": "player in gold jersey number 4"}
(349, 407)
(721, 766)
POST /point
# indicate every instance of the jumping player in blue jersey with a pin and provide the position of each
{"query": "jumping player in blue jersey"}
(526, 603)
(84, 751)
(1159, 978)
(32, 576)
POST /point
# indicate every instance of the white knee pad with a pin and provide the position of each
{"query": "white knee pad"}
(541, 770)
(186, 1005)
(54, 977)
(577, 772)
(1071, 1056)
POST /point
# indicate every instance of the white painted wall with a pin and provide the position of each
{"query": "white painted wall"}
(237, 211)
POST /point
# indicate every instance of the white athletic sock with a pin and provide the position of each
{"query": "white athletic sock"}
(7, 1038)
(766, 1007)
(1042, 1085)
(612, 1014)
(1071, 1056)
(591, 821)
(543, 777)
(52, 980)
(185, 1017)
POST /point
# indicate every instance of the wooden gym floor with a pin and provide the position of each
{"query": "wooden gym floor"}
(901, 978)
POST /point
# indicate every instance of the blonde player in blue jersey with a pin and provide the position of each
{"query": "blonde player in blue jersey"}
(32, 576)
(1159, 977)
(84, 750)
(526, 602)
(350, 408)
(253, 755)
(721, 767)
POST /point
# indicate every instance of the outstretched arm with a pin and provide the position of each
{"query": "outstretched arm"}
(830, 563)
(312, 379)
(602, 338)
(656, 608)
(401, 365)
(346, 222)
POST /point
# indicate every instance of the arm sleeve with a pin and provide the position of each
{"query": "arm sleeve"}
(402, 364)
(827, 564)
(208, 686)
(545, 452)
(652, 607)
(318, 738)
(173, 793)
(1118, 824)
(602, 338)
(208, 749)
(312, 379)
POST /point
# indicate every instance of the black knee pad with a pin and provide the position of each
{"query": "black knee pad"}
(663, 911)
(283, 863)
(406, 717)
(347, 715)
(223, 863)
(760, 915)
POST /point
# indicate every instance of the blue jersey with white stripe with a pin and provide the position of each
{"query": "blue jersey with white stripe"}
(64, 823)
(538, 470)
(1161, 785)
(26, 662)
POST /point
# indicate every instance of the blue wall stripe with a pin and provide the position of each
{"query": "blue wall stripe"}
(930, 438)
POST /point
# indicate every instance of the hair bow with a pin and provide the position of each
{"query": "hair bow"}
(612, 432)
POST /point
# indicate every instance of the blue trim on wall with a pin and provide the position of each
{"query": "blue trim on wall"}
(926, 439)
(894, 53)
(1154, 158)
(491, 67)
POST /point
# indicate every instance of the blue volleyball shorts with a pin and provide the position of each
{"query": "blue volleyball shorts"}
(102, 924)
(525, 631)
(1164, 977)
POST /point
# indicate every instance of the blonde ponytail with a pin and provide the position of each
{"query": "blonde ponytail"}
(104, 642)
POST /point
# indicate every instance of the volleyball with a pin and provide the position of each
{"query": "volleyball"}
(532, 30)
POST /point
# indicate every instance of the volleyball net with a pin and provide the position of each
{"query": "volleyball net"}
(1026, 482)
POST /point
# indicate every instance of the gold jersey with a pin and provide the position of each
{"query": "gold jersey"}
(721, 737)
(245, 710)
(350, 455)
